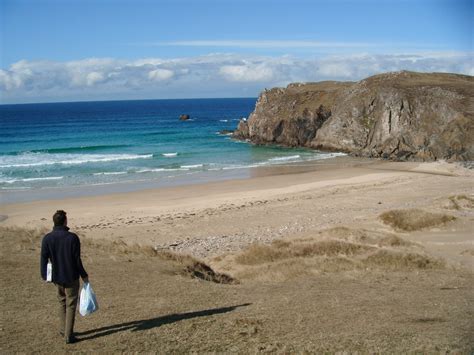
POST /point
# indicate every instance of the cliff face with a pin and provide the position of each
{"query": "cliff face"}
(400, 116)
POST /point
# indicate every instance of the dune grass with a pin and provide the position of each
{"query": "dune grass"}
(399, 260)
(192, 267)
(334, 250)
(339, 249)
(459, 202)
(278, 250)
(18, 238)
(414, 219)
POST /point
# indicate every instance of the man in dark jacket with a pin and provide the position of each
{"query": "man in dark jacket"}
(63, 249)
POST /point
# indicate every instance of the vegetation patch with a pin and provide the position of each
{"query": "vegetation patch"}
(367, 122)
(20, 239)
(394, 241)
(339, 249)
(259, 254)
(399, 260)
(459, 202)
(414, 219)
(468, 252)
(194, 268)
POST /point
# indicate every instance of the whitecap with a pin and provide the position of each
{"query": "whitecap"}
(169, 155)
(16, 188)
(232, 167)
(149, 170)
(32, 179)
(160, 170)
(39, 159)
(111, 173)
(192, 166)
(291, 157)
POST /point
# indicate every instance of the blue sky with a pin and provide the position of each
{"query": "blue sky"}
(84, 50)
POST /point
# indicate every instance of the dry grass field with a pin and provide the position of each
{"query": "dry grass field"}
(342, 289)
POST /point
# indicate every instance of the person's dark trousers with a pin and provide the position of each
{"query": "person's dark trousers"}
(67, 296)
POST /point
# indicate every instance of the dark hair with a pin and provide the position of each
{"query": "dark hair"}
(59, 218)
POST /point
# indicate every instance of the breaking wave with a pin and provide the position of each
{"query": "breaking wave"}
(27, 160)
(11, 181)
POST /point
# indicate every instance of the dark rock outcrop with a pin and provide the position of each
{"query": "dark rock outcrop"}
(226, 132)
(184, 117)
(400, 116)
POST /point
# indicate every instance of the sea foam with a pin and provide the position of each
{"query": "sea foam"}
(27, 160)
(291, 157)
(193, 166)
(111, 173)
(32, 179)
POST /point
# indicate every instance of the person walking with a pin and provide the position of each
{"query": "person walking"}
(63, 249)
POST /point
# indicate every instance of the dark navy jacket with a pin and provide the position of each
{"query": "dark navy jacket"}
(63, 249)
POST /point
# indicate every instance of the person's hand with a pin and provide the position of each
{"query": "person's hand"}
(85, 279)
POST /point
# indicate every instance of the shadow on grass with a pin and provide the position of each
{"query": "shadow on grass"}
(146, 324)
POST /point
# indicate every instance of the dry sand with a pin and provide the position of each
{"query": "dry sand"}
(369, 286)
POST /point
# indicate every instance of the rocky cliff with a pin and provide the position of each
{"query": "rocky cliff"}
(402, 115)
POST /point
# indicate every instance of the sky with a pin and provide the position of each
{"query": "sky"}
(71, 50)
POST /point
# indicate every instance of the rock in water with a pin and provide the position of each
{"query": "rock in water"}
(226, 132)
(400, 116)
(184, 117)
(242, 131)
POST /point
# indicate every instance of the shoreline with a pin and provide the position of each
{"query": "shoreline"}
(197, 178)
(242, 180)
(259, 183)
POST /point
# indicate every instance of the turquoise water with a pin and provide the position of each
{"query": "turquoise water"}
(98, 143)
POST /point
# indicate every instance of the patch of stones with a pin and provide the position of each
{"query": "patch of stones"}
(214, 245)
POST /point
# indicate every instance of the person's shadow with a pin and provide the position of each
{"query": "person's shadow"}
(146, 324)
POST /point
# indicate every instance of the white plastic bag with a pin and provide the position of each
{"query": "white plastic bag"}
(88, 302)
(49, 272)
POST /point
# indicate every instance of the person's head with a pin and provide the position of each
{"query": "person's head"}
(60, 218)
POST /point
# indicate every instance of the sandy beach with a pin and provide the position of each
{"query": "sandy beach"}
(276, 202)
(243, 228)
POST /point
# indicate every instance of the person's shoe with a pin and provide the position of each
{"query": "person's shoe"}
(71, 339)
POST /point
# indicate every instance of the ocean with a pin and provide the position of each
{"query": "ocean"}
(52, 145)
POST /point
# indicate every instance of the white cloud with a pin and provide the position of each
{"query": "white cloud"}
(213, 75)
(340, 70)
(94, 77)
(160, 74)
(247, 72)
